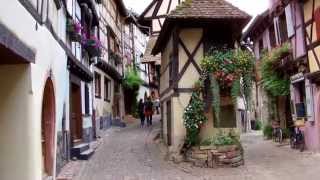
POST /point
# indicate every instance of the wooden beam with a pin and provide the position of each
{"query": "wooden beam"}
(168, 9)
(190, 57)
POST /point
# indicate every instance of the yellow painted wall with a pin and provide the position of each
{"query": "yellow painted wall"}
(307, 16)
(19, 150)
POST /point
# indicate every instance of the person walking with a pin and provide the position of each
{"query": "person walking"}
(141, 112)
(148, 106)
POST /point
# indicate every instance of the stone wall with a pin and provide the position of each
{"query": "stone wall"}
(63, 141)
(214, 157)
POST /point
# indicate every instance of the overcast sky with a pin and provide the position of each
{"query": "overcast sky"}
(252, 7)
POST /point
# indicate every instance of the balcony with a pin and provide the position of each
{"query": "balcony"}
(74, 30)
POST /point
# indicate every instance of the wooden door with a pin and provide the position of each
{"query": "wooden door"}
(169, 123)
(48, 128)
(76, 115)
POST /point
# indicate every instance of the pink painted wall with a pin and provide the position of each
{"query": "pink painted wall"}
(312, 131)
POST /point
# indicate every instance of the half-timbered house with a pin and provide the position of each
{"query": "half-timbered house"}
(289, 22)
(187, 34)
(108, 69)
(153, 17)
(311, 9)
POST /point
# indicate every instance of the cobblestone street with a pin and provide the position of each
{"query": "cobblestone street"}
(131, 154)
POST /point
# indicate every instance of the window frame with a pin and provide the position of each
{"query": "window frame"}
(106, 89)
(97, 85)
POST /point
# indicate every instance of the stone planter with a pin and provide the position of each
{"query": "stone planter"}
(215, 156)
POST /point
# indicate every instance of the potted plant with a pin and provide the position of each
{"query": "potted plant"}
(92, 45)
(74, 30)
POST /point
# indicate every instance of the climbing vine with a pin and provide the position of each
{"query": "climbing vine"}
(273, 81)
(230, 73)
(193, 118)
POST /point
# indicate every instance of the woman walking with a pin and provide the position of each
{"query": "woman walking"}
(141, 112)
(148, 106)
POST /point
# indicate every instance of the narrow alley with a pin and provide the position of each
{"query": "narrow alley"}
(136, 156)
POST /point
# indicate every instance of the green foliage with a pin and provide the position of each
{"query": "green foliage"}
(221, 139)
(274, 82)
(132, 79)
(232, 69)
(267, 131)
(215, 90)
(235, 90)
(258, 125)
(193, 118)
(286, 133)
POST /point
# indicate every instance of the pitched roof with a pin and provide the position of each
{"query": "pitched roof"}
(211, 9)
(148, 57)
(202, 13)
(257, 23)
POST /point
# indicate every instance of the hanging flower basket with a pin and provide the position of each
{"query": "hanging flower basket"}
(92, 46)
(74, 30)
(115, 57)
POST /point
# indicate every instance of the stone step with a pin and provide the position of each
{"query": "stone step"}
(78, 149)
(86, 154)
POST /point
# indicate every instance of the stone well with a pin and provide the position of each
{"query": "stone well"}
(215, 156)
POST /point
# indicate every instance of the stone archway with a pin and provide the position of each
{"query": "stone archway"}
(48, 128)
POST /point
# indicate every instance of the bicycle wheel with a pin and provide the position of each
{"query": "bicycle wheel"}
(280, 134)
(302, 144)
(292, 143)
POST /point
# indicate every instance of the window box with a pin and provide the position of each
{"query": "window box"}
(92, 46)
(74, 30)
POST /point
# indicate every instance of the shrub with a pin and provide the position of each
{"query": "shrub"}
(286, 133)
(221, 139)
(258, 125)
(267, 131)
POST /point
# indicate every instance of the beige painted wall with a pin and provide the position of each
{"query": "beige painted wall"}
(190, 37)
(101, 106)
(165, 59)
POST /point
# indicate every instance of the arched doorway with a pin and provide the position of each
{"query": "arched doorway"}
(48, 128)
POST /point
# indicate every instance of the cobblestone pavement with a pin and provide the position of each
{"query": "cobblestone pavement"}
(131, 154)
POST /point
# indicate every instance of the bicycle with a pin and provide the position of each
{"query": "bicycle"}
(277, 134)
(297, 139)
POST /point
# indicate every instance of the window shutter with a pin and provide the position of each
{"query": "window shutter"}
(289, 21)
(292, 102)
(276, 29)
(309, 101)
(317, 21)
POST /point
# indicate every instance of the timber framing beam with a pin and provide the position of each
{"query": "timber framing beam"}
(10, 43)
(190, 57)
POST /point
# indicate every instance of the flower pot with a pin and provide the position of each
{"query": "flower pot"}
(75, 37)
(93, 50)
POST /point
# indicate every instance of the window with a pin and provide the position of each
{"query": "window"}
(260, 47)
(116, 87)
(283, 29)
(97, 85)
(86, 99)
(272, 37)
(107, 83)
